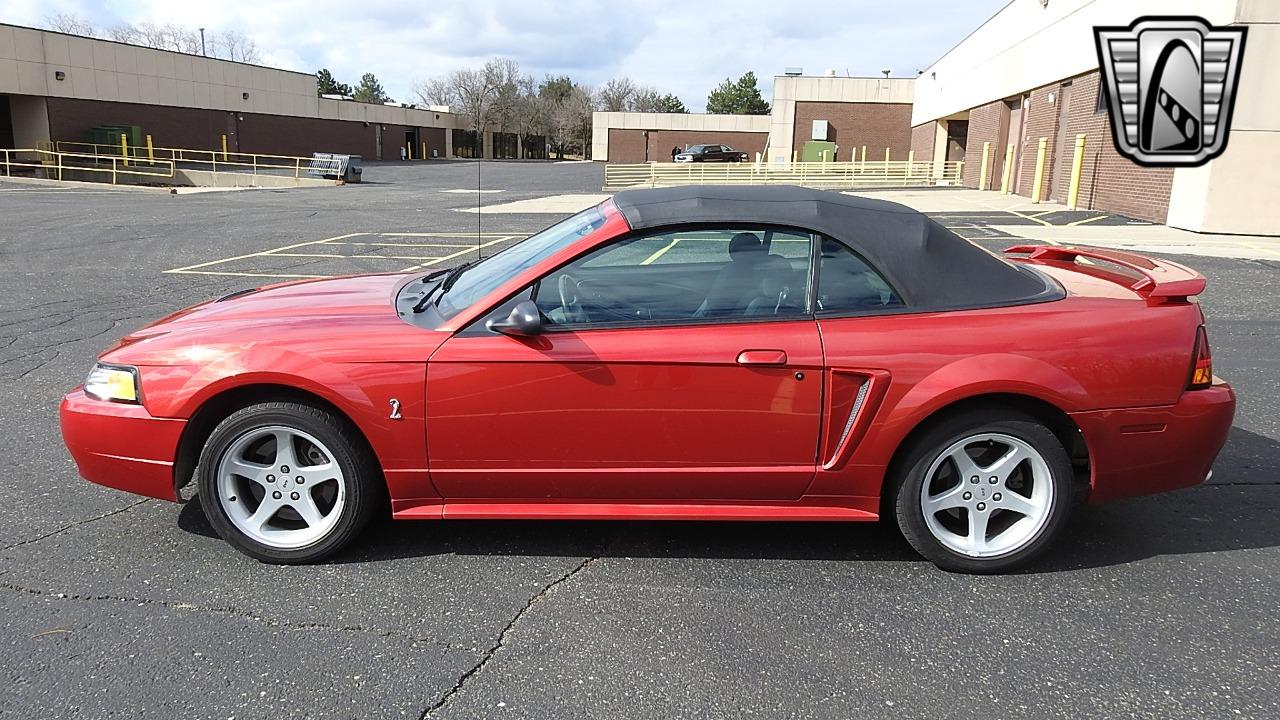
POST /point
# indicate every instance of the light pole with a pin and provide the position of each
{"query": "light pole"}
(202, 52)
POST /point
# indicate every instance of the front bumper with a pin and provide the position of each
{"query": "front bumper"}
(121, 446)
(1140, 451)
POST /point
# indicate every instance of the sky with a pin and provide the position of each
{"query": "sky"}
(684, 47)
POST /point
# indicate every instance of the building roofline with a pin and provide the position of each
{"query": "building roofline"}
(148, 47)
(843, 77)
(965, 39)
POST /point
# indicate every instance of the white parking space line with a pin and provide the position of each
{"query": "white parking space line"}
(448, 234)
(247, 274)
(391, 244)
(191, 268)
(343, 248)
(365, 256)
(411, 268)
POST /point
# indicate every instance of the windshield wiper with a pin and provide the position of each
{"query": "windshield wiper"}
(450, 277)
(422, 302)
(453, 276)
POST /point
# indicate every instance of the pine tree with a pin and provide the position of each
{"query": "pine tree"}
(737, 98)
(670, 104)
(370, 90)
(327, 84)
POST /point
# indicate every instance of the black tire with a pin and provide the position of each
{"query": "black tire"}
(908, 480)
(364, 486)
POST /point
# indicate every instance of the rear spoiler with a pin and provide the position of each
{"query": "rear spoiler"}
(1161, 279)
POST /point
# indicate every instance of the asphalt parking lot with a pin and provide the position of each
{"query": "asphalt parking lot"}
(114, 606)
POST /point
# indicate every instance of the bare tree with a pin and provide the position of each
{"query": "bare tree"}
(486, 97)
(234, 45)
(531, 111)
(468, 91)
(161, 37)
(645, 100)
(228, 45)
(436, 91)
(125, 34)
(616, 95)
(504, 75)
(570, 124)
(72, 24)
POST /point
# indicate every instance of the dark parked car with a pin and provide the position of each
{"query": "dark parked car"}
(711, 153)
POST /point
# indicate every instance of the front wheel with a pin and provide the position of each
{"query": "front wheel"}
(287, 483)
(984, 492)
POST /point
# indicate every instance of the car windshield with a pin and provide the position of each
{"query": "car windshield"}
(484, 277)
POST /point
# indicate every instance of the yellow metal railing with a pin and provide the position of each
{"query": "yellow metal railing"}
(829, 175)
(56, 165)
(211, 160)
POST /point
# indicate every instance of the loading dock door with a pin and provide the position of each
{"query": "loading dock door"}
(6, 123)
(1017, 136)
(1064, 146)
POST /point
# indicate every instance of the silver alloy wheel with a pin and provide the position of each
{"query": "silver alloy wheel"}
(281, 487)
(987, 495)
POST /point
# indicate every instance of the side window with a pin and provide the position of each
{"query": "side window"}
(731, 273)
(846, 283)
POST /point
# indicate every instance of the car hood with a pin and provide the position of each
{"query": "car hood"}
(346, 318)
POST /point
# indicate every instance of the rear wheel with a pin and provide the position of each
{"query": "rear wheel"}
(984, 491)
(287, 483)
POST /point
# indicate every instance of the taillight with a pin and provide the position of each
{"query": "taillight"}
(1202, 365)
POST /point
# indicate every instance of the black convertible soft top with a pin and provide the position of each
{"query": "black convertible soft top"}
(930, 266)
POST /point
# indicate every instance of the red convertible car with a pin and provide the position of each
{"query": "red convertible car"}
(709, 353)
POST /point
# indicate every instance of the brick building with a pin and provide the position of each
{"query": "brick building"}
(850, 112)
(58, 87)
(1007, 91)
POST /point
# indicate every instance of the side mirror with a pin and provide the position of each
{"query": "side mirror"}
(525, 320)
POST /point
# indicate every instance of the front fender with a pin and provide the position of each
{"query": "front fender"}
(361, 391)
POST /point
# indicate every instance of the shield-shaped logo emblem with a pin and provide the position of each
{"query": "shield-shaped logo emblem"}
(1170, 84)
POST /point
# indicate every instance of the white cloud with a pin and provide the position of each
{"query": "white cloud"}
(677, 46)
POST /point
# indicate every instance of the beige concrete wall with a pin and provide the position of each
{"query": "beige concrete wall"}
(1029, 44)
(790, 89)
(115, 72)
(1236, 192)
(602, 121)
(780, 124)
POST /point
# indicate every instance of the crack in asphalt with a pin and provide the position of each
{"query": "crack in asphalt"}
(231, 611)
(502, 638)
(75, 524)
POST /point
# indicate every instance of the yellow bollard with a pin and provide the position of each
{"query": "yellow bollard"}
(408, 150)
(124, 149)
(864, 154)
(1037, 183)
(911, 161)
(1007, 176)
(423, 156)
(1077, 164)
(151, 150)
(224, 148)
(982, 173)
(795, 156)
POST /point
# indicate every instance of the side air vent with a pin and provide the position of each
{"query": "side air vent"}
(853, 413)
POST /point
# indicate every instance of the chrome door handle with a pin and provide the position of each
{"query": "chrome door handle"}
(762, 357)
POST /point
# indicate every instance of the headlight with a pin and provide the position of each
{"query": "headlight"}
(114, 383)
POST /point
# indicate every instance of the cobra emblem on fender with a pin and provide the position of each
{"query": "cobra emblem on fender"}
(395, 409)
